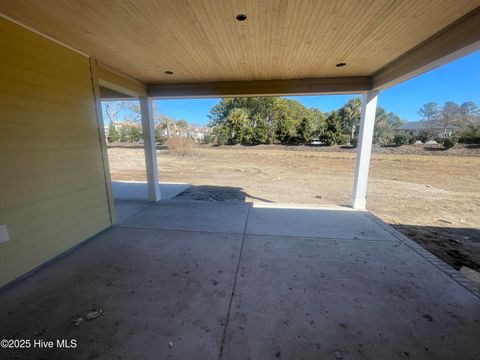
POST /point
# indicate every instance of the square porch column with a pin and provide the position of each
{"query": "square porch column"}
(364, 148)
(150, 148)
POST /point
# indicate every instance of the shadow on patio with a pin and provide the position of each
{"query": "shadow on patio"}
(217, 280)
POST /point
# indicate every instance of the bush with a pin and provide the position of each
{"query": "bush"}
(209, 139)
(470, 137)
(247, 136)
(424, 136)
(220, 134)
(180, 145)
(329, 138)
(113, 134)
(343, 139)
(332, 132)
(159, 137)
(400, 140)
(130, 132)
(305, 131)
(449, 142)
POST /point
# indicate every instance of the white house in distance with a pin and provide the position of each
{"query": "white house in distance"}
(193, 132)
(199, 133)
(417, 128)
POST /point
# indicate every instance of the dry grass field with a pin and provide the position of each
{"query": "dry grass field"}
(434, 199)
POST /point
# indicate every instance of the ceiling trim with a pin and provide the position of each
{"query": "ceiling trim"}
(457, 40)
(121, 83)
(109, 94)
(337, 85)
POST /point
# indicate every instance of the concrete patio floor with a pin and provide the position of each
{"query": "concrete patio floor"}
(209, 280)
(131, 196)
(138, 190)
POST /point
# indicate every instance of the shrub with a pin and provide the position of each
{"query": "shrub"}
(305, 130)
(247, 136)
(180, 145)
(130, 132)
(159, 137)
(470, 137)
(113, 134)
(449, 142)
(209, 139)
(424, 136)
(343, 139)
(332, 132)
(329, 138)
(260, 134)
(220, 134)
(403, 140)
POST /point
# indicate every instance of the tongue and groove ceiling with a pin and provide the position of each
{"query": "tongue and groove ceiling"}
(201, 41)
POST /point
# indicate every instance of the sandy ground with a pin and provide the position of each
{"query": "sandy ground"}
(434, 199)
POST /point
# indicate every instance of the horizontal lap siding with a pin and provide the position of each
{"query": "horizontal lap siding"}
(52, 185)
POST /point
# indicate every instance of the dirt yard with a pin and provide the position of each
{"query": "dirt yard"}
(434, 199)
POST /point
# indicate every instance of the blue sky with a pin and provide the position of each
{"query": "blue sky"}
(458, 81)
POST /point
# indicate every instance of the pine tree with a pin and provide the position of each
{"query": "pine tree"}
(113, 134)
(333, 130)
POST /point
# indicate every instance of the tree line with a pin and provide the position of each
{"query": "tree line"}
(130, 129)
(464, 118)
(267, 120)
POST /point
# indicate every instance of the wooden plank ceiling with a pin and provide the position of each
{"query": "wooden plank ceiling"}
(201, 41)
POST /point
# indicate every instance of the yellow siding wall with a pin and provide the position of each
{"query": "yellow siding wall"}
(52, 185)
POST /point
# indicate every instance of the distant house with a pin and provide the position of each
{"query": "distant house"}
(196, 133)
(199, 133)
(417, 128)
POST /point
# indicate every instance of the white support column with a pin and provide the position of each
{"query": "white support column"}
(364, 149)
(150, 148)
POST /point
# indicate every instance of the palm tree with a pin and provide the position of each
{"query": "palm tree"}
(351, 114)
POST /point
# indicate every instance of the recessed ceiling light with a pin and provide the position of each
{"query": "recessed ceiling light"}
(340, 64)
(241, 17)
(168, 72)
